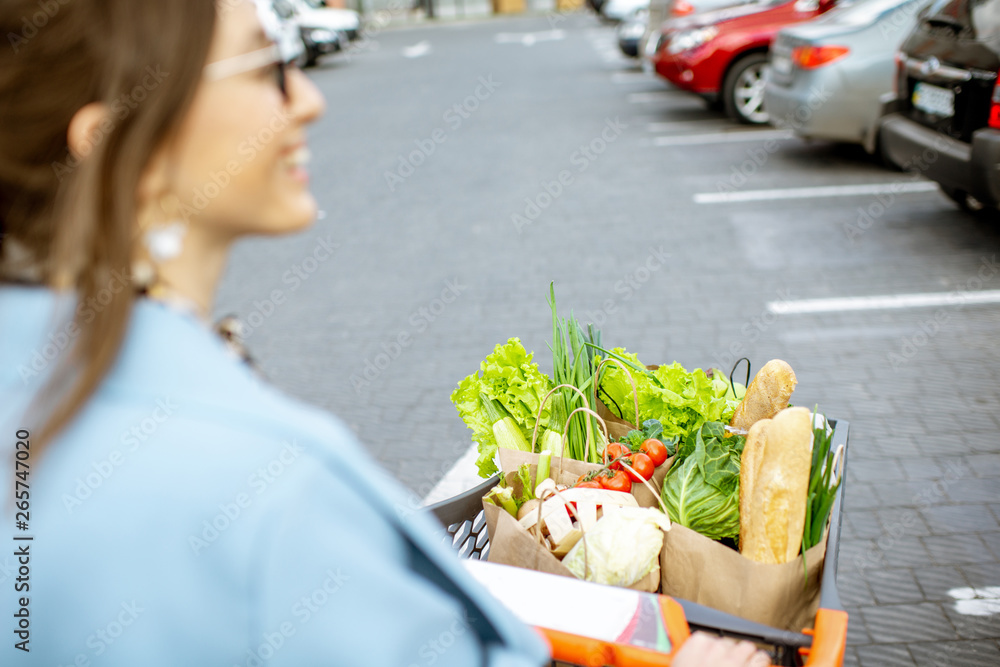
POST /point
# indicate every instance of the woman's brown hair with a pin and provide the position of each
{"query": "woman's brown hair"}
(71, 223)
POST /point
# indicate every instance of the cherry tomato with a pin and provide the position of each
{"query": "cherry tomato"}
(613, 451)
(655, 450)
(589, 484)
(616, 481)
(643, 467)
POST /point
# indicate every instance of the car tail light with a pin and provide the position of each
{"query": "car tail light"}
(995, 106)
(683, 8)
(811, 57)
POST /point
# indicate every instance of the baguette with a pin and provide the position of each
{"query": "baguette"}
(767, 395)
(753, 453)
(771, 529)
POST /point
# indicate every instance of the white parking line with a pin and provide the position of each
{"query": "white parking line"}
(722, 137)
(808, 193)
(884, 302)
(417, 50)
(685, 124)
(529, 38)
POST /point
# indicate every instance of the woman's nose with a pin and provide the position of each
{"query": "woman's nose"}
(305, 100)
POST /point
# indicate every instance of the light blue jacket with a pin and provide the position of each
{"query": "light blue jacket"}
(192, 515)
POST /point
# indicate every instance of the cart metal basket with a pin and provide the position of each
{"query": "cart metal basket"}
(820, 646)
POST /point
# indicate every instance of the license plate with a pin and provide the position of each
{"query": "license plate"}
(781, 64)
(934, 100)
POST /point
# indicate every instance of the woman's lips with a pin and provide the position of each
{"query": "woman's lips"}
(297, 162)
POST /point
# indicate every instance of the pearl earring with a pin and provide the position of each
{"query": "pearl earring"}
(165, 242)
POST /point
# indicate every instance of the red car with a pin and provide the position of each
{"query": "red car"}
(721, 55)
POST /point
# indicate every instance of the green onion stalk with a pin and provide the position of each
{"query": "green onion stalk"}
(573, 363)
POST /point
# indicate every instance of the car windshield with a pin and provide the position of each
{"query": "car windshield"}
(866, 12)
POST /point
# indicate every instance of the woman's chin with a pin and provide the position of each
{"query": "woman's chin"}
(301, 215)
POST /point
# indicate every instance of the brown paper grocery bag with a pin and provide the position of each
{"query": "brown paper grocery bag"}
(567, 471)
(701, 570)
(511, 544)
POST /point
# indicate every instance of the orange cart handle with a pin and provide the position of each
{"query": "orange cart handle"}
(591, 652)
(829, 639)
(829, 643)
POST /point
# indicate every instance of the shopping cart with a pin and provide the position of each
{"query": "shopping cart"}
(820, 646)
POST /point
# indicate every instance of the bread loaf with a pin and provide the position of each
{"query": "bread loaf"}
(753, 453)
(771, 527)
(767, 395)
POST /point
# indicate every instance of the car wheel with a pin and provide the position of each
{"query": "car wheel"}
(743, 90)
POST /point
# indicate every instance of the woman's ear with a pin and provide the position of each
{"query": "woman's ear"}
(85, 129)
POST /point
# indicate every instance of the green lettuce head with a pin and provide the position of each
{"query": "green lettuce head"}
(509, 376)
(703, 491)
(680, 400)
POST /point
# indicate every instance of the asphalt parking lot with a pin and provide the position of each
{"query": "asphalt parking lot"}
(463, 167)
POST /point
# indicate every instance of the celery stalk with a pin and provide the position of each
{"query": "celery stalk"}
(542, 471)
(504, 498)
(552, 442)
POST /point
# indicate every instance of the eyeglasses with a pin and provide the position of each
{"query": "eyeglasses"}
(270, 56)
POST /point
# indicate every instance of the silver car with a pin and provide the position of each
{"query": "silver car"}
(826, 76)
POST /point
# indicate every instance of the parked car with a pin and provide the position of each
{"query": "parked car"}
(827, 76)
(721, 55)
(345, 21)
(322, 29)
(661, 11)
(620, 10)
(945, 118)
(631, 30)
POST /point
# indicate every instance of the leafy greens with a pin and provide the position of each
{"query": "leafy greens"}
(509, 377)
(703, 491)
(680, 400)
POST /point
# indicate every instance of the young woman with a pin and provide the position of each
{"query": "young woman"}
(181, 512)
(162, 505)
